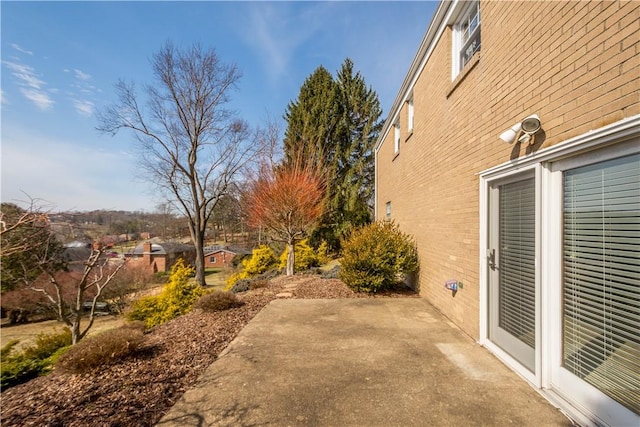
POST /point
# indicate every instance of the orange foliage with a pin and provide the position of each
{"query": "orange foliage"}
(286, 200)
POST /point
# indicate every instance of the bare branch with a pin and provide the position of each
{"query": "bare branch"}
(192, 147)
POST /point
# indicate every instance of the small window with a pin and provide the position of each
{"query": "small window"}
(388, 210)
(466, 40)
(212, 259)
(396, 137)
(410, 115)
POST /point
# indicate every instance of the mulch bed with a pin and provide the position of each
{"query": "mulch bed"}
(138, 391)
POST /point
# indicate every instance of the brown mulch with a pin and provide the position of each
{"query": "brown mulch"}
(139, 390)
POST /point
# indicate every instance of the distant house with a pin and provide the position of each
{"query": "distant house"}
(162, 256)
(219, 258)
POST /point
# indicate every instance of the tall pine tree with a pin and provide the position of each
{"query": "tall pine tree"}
(311, 120)
(337, 121)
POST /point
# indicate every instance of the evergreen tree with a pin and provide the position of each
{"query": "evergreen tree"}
(311, 121)
(335, 122)
(358, 127)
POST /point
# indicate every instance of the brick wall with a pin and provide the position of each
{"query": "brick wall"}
(222, 259)
(575, 64)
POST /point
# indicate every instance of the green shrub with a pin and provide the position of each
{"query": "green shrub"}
(177, 298)
(46, 345)
(262, 260)
(305, 256)
(334, 273)
(323, 253)
(107, 348)
(6, 350)
(218, 301)
(33, 361)
(377, 257)
(241, 285)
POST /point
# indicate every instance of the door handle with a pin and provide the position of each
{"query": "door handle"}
(492, 259)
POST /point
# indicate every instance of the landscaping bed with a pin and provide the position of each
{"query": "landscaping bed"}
(139, 390)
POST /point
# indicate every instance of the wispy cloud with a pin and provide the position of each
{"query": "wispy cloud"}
(276, 32)
(21, 49)
(31, 86)
(84, 107)
(80, 75)
(82, 93)
(41, 99)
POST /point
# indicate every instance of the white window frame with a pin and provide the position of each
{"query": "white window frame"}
(410, 115)
(396, 137)
(388, 210)
(615, 140)
(458, 34)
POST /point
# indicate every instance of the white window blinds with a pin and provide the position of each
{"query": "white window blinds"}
(601, 307)
(517, 260)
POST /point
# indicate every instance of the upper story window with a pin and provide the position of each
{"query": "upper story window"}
(410, 115)
(396, 137)
(466, 40)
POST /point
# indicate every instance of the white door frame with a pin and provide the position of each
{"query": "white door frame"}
(548, 164)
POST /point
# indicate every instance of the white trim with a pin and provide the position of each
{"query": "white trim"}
(540, 346)
(551, 258)
(624, 129)
(511, 362)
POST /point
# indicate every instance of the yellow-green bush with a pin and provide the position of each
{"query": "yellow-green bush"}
(177, 298)
(377, 257)
(305, 256)
(262, 259)
(34, 361)
(323, 253)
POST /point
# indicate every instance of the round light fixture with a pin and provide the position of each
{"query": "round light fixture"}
(531, 124)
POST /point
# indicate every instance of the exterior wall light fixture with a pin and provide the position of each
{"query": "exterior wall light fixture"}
(522, 131)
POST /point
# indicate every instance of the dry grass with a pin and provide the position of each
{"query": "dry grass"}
(27, 333)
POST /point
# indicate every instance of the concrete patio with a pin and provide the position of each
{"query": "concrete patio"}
(358, 362)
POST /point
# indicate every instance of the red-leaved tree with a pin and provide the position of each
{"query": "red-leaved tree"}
(286, 201)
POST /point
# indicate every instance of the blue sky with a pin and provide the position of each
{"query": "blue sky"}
(61, 60)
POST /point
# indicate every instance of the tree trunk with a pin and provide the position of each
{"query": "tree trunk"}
(75, 330)
(199, 243)
(291, 258)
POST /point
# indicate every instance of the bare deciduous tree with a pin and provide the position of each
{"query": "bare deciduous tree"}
(192, 146)
(66, 290)
(25, 233)
(36, 262)
(22, 229)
